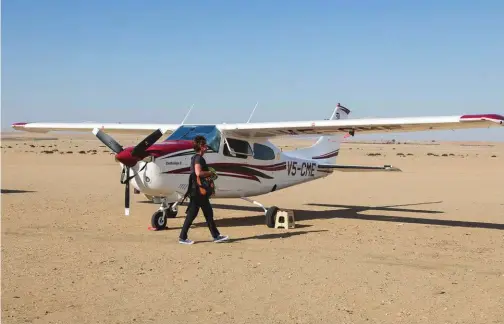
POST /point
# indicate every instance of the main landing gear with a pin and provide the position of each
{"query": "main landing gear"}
(270, 212)
(165, 211)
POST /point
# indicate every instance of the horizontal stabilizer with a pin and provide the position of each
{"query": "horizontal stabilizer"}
(358, 168)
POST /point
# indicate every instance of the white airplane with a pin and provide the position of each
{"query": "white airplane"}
(246, 162)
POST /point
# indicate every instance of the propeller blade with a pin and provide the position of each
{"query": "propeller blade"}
(108, 140)
(126, 198)
(125, 180)
(141, 147)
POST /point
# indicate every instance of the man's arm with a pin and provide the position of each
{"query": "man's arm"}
(199, 172)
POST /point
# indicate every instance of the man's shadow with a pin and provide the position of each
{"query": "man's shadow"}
(270, 236)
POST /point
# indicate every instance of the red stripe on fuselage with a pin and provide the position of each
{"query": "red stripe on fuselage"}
(327, 155)
(155, 150)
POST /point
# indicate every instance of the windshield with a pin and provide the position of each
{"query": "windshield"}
(187, 132)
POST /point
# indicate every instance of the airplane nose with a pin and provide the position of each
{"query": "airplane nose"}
(126, 158)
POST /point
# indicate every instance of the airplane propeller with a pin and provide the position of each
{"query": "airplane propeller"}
(108, 141)
(128, 158)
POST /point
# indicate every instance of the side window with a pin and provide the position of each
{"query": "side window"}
(263, 152)
(238, 146)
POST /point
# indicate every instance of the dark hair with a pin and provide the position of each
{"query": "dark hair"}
(198, 141)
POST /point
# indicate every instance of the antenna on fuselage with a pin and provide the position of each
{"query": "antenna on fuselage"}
(252, 112)
(182, 123)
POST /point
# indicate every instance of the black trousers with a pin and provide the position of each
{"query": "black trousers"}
(192, 211)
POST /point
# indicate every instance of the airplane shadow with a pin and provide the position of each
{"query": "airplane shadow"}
(11, 191)
(233, 221)
(351, 212)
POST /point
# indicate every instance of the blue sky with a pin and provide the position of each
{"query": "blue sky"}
(148, 61)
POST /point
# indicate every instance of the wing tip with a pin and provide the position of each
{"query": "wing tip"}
(392, 168)
(19, 125)
(490, 117)
(23, 126)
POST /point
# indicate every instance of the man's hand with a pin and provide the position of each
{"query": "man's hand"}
(206, 174)
(213, 174)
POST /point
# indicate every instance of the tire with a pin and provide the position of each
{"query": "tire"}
(158, 220)
(270, 216)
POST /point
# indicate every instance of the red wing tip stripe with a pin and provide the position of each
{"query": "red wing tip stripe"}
(18, 124)
(494, 117)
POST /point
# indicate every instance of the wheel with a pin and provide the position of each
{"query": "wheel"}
(158, 220)
(170, 213)
(270, 216)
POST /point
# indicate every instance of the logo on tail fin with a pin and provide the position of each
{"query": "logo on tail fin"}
(346, 110)
(340, 112)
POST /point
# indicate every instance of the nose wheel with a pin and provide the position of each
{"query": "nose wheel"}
(159, 218)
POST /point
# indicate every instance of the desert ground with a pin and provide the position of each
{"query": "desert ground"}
(425, 245)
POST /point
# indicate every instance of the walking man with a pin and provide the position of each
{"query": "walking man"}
(199, 169)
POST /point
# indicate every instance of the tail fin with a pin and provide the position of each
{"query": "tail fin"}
(326, 149)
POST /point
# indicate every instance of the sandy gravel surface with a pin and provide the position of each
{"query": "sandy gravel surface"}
(422, 246)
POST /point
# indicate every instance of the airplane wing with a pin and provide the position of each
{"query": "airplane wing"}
(361, 126)
(117, 128)
(274, 129)
(358, 168)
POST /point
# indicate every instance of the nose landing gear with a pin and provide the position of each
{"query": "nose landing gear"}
(159, 218)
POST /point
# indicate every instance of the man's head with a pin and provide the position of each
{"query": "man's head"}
(199, 144)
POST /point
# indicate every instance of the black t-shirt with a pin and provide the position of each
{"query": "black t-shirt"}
(204, 167)
(198, 159)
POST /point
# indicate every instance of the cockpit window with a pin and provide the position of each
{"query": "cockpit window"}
(188, 132)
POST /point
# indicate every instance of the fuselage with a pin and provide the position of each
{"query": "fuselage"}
(258, 167)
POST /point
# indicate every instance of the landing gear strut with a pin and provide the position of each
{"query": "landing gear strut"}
(270, 213)
(165, 211)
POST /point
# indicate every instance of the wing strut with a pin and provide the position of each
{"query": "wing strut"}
(248, 121)
(182, 123)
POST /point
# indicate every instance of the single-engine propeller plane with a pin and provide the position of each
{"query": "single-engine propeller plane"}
(246, 162)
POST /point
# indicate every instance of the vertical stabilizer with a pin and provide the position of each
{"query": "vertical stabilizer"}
(326, 149)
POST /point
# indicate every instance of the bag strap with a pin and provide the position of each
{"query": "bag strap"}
(190, 182)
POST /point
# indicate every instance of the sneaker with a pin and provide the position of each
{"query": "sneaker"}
(221, 238)
(186, 241)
